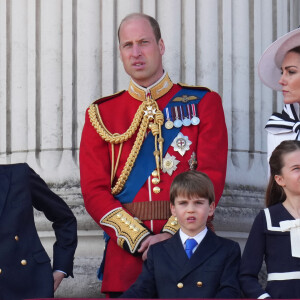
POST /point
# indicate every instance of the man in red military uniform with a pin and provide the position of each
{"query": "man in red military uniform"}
(135, 142)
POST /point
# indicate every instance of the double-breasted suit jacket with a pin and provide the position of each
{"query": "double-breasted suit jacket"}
(25, 269)
(211, 272)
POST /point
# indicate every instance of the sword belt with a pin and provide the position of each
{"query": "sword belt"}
(153, 210)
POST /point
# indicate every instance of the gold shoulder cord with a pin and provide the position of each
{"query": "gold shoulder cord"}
(148, 112)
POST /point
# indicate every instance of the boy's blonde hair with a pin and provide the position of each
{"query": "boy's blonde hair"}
(192, 184)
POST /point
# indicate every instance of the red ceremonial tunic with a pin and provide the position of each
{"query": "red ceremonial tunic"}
(209, 142)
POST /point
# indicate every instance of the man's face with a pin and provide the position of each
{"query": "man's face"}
(140, 53)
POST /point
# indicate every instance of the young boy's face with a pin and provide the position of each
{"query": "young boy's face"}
(192, 213)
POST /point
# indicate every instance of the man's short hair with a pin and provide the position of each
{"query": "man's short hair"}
(154, 24)
(192, 184)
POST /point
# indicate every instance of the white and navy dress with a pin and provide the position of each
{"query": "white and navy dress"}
(270, 241)
(283, 126)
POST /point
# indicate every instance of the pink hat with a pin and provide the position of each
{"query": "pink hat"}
(270, 62)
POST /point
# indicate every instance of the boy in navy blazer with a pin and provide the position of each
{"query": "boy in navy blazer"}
(212, 269)
(25, 269)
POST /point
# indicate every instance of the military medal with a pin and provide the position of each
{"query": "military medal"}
(186, 121)
(177, 122)
(169, 124)
(181, 143)
(150, 112)
(195, 120)
(193, 161)
(169, 164)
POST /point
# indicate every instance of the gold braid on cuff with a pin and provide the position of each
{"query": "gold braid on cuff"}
(128, 229)
(171, 226)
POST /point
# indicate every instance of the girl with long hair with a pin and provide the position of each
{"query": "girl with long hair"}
(275, 233)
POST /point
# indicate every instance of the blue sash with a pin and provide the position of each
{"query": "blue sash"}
(145, 162)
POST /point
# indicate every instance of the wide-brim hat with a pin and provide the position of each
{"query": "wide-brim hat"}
(269, 66)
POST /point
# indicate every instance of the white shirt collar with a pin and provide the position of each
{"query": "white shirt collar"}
(199, 237)
(152, 85)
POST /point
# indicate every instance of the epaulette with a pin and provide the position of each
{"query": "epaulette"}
(101, 100)
(194, 87)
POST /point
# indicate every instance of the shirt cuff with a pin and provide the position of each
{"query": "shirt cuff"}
(61, 272)
(264, 296)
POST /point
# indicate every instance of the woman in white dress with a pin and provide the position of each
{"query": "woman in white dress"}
(279, 69)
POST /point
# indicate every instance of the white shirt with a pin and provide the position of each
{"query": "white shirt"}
(198, 238)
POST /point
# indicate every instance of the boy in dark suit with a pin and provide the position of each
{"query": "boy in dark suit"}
(25, 269)
(195, 262)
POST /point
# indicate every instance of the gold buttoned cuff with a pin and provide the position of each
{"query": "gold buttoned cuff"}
(171, 226)
(128, 229)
